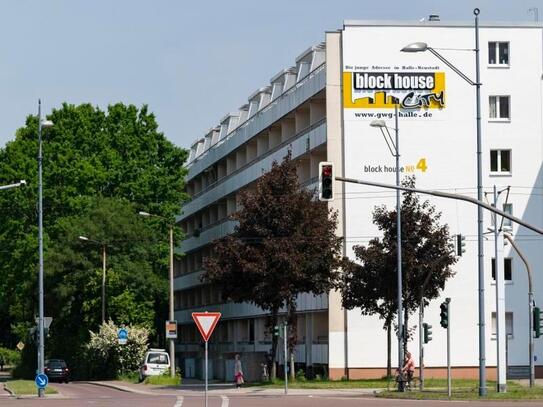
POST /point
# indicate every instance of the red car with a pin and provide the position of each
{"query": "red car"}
(57, 370)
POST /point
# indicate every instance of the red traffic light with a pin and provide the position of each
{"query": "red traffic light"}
(326, 170)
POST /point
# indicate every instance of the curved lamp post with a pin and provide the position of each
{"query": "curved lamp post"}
(394, 148)
(422, 47)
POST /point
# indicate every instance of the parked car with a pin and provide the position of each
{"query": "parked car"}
(155, 363)
(57, 370)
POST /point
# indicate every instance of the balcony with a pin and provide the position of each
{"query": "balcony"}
(307, 140)
(305, 301)
(208, 234)
(313, 83)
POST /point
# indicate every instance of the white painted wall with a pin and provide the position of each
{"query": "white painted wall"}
(447, 141)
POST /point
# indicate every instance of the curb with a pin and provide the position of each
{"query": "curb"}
(11, 393)
(125, 388)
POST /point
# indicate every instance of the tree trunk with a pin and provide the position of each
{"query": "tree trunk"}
(292, 335)
(389, 349)
(272, 324)
(292, 373)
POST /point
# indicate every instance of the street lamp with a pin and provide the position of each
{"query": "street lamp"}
(103, 245)
(42, 124)
(421, 47)
(394, 148)
(21, 183)
(171, 313)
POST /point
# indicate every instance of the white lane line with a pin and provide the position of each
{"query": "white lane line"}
(225, 402)
(179, 402)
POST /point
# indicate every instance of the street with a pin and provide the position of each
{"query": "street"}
(85, 394)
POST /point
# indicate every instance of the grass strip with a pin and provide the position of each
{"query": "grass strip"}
(26, 387)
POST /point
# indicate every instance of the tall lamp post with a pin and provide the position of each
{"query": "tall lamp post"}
(103, 245)
(42, 124)
(421, 47)
(394, 148)
(171, 313)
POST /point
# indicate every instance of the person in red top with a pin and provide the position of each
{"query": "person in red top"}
(409, 366)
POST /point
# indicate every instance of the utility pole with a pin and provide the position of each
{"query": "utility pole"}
(501, 363)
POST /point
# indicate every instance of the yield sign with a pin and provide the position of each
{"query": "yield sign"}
(206, 322)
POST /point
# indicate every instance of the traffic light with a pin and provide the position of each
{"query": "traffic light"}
(276, 330)
(537, 322)
(427, 332)
(460, 244)
(444, 314)
(326, 181)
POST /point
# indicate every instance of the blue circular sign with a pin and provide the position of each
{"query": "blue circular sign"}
(41, 381)
(123, 333)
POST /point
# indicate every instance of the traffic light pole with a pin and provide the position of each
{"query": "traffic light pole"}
(447, 195)
(501, 332)
(421, 337)
(530, 308)
(449, 378)
(285, 357)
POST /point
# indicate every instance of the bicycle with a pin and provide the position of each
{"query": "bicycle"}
(408, 381)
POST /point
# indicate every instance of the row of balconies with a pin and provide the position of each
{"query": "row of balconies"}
(260, 100)
(310, 327)
(280, 132)
(221, 200)
(305, 302)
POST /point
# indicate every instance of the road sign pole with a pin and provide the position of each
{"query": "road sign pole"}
(449, 379)
(285, 357)
(206, 372)
(421, 346)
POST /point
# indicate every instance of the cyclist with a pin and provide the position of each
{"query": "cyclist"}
(408, 367)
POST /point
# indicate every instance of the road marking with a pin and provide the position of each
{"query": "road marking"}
(179, 402)
(225, 401)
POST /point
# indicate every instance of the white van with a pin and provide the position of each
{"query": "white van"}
(155, 363)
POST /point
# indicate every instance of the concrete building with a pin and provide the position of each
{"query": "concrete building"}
(320, 110)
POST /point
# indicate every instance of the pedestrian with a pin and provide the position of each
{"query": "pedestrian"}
(1, 363)
(264, 377)
(238, 372)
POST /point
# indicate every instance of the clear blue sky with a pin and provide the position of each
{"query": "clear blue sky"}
(190, 61)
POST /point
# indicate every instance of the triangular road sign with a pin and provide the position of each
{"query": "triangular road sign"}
(206, 322)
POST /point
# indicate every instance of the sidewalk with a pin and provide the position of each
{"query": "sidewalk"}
(228, 389)
(4, 376)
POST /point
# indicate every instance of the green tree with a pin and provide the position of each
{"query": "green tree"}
(89, 154)
(284, 245)
(370, 283)
(135, 293)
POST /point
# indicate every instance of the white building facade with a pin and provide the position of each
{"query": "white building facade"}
(320, 109)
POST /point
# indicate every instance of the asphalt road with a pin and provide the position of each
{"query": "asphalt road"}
(83, 394)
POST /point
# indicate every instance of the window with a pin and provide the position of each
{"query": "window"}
(500, 161)
(498, 53)
(507, 223)
(507, 269)
(499, 108)
(508, 324)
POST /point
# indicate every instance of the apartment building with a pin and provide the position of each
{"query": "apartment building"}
(320, 110)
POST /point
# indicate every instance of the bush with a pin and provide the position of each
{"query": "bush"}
(106, 358)
(300, 375)
(11, 357)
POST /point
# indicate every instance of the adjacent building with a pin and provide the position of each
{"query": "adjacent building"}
(320, 110)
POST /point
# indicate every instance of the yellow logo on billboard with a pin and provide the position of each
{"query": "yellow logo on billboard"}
(409, 90)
